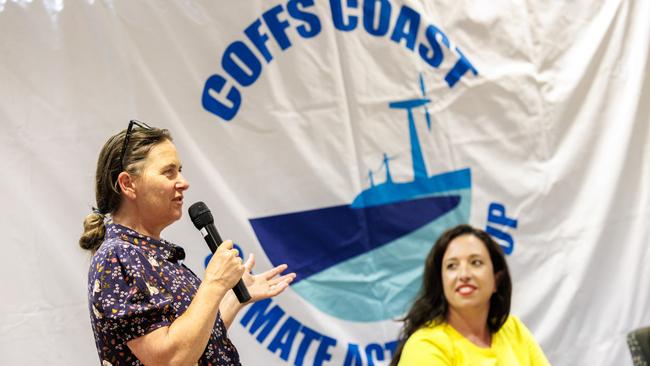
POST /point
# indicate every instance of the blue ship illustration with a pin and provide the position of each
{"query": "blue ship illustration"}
(363, 261)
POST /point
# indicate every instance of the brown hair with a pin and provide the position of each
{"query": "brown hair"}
(107, 191)
(431, 306)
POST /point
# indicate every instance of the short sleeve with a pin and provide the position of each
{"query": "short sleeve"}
(536, 355)
(128, 295)
(427, 347)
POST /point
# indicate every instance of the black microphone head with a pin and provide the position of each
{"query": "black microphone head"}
(200, 215)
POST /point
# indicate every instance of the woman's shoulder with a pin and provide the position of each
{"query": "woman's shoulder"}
(513, 322)
(115, 252)
(521, 341)
(432, 344)
(514, 328)
(433, 333)
(434, 327)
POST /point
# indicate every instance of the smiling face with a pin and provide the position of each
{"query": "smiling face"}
(467, 274)
(160, 187)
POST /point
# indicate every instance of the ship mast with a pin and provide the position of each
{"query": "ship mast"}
(419, 168)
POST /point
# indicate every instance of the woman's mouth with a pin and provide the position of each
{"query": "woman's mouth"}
(465, 289)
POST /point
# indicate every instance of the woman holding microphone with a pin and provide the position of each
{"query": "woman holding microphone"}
(146, 307)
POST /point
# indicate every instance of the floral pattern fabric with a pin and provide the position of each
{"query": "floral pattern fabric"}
(136, 285)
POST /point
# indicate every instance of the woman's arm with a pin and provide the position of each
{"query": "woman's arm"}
(184, 341)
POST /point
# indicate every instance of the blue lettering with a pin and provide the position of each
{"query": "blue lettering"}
(262, 318)
(369, 13)
(406, 27)
(391, 346)
(459, 69)
(237, 55)
(353, 356)
(212, 102)
(309, 18)
(322, 353)
(377, 350)
(497, 215)
(502, 237)
(283, 340)
(337, 15)
(433, 56)
(277, 27)
(309, 336)
(244, 67)
(259, 39)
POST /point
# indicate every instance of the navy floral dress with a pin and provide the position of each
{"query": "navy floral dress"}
(137, 285)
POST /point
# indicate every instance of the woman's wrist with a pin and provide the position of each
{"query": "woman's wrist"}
(214, 289)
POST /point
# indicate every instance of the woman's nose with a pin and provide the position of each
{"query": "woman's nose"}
(182, 183)
(464, 273)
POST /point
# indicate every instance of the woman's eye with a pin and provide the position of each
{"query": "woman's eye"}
(477, 262)
(451, 265)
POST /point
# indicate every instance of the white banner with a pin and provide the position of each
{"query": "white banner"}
(340, 137)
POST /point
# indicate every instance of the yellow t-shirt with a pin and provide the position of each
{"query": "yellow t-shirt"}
(441, 344)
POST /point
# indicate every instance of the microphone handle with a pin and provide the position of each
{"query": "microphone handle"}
(212, 237)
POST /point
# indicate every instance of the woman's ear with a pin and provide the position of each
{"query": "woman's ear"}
(127, 186)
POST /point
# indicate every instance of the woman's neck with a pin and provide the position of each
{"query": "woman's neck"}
(471, 324)
(135, 223)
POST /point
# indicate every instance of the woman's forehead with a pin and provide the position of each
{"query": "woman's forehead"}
(465, 246)
(163, 154)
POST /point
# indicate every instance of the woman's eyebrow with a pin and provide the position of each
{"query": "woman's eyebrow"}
(171, 165)
(471, 256)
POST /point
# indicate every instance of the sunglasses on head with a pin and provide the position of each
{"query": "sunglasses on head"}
(127, 137)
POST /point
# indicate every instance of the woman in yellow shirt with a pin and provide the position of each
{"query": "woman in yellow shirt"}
(461, 315)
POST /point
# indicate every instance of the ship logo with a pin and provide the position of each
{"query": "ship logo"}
(363, 261)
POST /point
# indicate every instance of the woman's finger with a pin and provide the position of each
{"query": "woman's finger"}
(289, 277)
(274, 271)
(250, 263)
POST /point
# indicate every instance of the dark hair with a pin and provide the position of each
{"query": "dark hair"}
(107, 191)
(430, 304)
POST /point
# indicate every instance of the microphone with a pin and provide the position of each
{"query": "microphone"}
(203, 220)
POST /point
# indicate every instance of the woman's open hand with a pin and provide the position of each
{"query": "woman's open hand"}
(266, 284)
